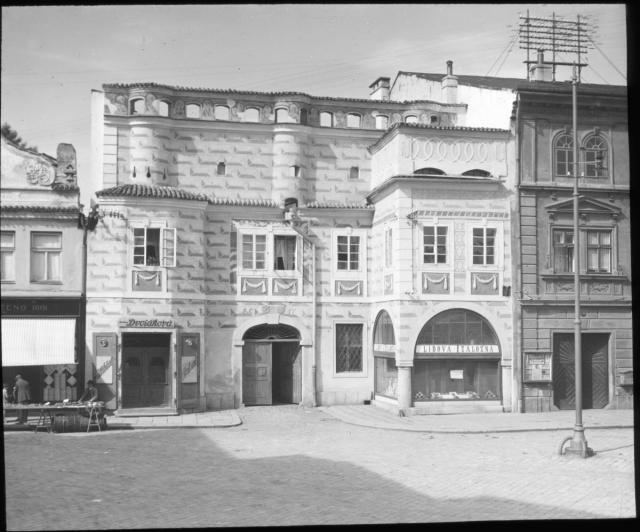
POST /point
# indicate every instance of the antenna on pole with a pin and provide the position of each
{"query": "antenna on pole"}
(557, 35)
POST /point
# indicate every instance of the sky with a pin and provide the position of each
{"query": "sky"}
(53, 56)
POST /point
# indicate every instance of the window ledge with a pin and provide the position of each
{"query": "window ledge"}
(585, 276)
(47, 282)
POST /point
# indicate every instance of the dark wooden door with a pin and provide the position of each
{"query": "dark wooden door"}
(287, 372)
(595, 379)
(256, 373)
(189, 371)
(145, 377)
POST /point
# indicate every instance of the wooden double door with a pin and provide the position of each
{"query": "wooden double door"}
(595, 370)
(146, 374)
(271, 373)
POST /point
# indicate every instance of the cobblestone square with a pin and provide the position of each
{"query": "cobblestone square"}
(287, 465)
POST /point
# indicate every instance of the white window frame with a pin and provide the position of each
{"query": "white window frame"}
(46, 252)
(584, 259)
(9, 255)
(168, 257)
(447, 252)
(552, 248)
(253, 269)
(365, 349)
(497, 246)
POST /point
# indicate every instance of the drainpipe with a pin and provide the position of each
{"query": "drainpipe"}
(314, 329)
(517, 387)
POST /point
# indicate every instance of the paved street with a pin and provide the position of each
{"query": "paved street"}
(289, 466)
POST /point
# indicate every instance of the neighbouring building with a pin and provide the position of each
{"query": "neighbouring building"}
(41, 272)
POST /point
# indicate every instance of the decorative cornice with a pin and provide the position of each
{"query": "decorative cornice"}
(459, 214)
(337, 205)
(40, 208)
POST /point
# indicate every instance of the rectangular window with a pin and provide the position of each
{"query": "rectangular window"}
(326, 119)
(382, 122)
(348, 252)
(254, 251)
(348, 347)
(562, 250)
(484, 245)
(599, 251)
(353, 120)
(284, 252)
(46, 249)
(388, 250)
(154, 246)
(8, 259)
(435, 244)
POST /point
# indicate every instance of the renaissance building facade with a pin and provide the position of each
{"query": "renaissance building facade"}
(263, 248)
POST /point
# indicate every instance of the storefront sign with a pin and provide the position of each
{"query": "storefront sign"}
(456, 348)
(537, 367)
(40, 307)
(457, 374)
(189, 369)
(385, 348)
(104, 369)
(165, 324)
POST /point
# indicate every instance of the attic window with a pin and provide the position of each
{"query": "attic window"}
(382, 122)
(434, 119)
(353, 120)
(192, 110)
(303, 116)
(429, 171)
(221, 112)
(354, 172)
(283, 116)
(163, 108)
(326, 119)
(221, 169)
(477, 172)
(294, 171)
(251, 115)
(136, 106)
(411, 119)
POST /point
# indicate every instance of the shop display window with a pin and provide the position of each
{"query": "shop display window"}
(386, 377)
(456, 379)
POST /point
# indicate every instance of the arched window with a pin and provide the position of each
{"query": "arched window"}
(136, 106)
(563, 155)
(353, 120)
(192, 110)
(163, 107)
(411, 119)
(221, 112)
(282, 116)
(221, 169)
(251, 115)
(596, 156)
(303, 116)
(326, 119)
(429, 171)
(386, 372)
(382, 122)
(477, 172)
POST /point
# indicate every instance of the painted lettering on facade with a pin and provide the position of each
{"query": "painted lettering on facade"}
(189, 369)
(104, 369)
(457, 348)
(146, 323)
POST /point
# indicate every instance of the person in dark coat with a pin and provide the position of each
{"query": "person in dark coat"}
(90, 394)
(22, 395)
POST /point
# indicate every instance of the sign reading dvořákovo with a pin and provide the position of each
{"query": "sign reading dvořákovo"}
(149, 323)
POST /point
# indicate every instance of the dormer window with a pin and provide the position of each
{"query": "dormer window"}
(221, 112)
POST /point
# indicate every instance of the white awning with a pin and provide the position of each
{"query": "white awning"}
(38, 342)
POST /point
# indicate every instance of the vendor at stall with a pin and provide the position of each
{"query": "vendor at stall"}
(90, 394)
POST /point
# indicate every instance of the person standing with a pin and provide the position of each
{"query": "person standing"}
(22, 395)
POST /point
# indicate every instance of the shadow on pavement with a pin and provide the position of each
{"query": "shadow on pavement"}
(178, 479)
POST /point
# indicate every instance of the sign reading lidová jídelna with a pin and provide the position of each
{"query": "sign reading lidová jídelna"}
(22, 306)
(148, 323)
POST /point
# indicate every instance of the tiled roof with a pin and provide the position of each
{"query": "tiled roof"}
(150, 191)
(379, 103)
(519, 84)
(64, 187)
(243, 202)
(336, 205)
(39, 208)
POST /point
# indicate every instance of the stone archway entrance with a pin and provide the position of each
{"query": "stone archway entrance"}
(271, 365)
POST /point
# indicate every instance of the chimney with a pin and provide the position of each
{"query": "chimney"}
(380, 89)
(450, 85)
(541, 71)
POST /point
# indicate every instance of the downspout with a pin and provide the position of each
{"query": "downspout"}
(315, 326)
(517, 386)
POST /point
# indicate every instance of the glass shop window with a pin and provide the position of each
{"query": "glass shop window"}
(284, 252)
(456, 379)
(386, 377)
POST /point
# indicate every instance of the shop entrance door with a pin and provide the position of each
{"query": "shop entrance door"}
(595, 375)
(145, 370)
